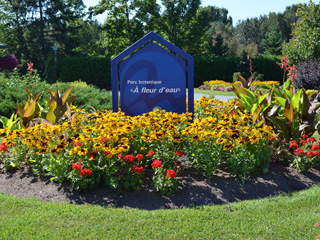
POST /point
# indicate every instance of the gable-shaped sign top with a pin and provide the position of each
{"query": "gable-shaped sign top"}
(152, 76)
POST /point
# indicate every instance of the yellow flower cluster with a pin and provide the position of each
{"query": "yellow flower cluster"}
(265, 83)
(217, 82)
(112, 133)
(225, 125)
(262, 83)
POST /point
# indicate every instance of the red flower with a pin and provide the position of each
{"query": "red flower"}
(76, 144)
(293, 73)
(315, 147)
(293, 144)
(139, 156)
(178, 152)
(77, 166)
(272, 139)
(156, 164)
(129, 158)
(137, 168)
(30, 67)
(303, 142)
(120, 155)
(304, 135)
(312, 153)
(3, 147)
(312, 139)
(171, 173)
(299, 151)
(106, 153)
(86, 171)
(284, 63)
(103, 139)
(150, 153)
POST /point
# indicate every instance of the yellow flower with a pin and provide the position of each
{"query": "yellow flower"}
(82, 152)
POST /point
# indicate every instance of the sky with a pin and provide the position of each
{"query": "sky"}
(238, 9)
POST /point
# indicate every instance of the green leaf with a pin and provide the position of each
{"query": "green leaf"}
(289, 113)
(66, 94)
(295, 101)
(281, 101)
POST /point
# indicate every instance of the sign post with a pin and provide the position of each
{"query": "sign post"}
(152, 74)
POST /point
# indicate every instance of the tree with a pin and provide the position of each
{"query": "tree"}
(176, 21)
(127, 21)
(32, 27)
(219, 48)
(273, 42)
(305, 44)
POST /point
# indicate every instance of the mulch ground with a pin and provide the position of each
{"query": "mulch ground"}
(195, 190)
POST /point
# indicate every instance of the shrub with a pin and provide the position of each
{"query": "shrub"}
(8, 63)
(308, 75)
(12, 92)
(92, 70)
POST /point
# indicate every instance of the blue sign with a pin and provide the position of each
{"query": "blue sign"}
(152, 76)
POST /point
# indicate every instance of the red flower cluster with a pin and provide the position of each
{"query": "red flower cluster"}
(77, 166)
(315, 147)
(156, 164)
(129, 158)
(30, 67)
(299, 151)
(150, 153)
(313, 153)
(171, 173)
(284, 63)
(293, 144)
(293, 73)
(139, 156)
(86, 171)
(137, 168)
(76, 144)
(103, 139)
(3, 147)
(179, 153)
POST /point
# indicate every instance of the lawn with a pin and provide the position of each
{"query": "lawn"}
(213, 93)
(290, 216)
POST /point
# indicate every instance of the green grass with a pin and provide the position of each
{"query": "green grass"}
(213, 93)
(289, 216)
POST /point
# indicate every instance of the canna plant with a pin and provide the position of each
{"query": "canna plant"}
(293, 112)
(31, 110)
(58, 105)
(10, 124)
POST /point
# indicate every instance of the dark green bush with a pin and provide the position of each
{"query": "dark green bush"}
(92, 70)
(269, 66)
(97, 71)
(213, 68)
(308, 76)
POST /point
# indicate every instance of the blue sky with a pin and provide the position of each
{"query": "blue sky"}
(238, 9)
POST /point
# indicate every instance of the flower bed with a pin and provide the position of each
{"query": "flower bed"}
(116, 149)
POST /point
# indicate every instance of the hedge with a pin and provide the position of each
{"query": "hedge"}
(97, 70)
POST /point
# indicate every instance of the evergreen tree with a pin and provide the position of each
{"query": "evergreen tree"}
(219, 48)
(273, 43)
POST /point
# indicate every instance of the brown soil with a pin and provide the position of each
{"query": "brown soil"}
(196, 190)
